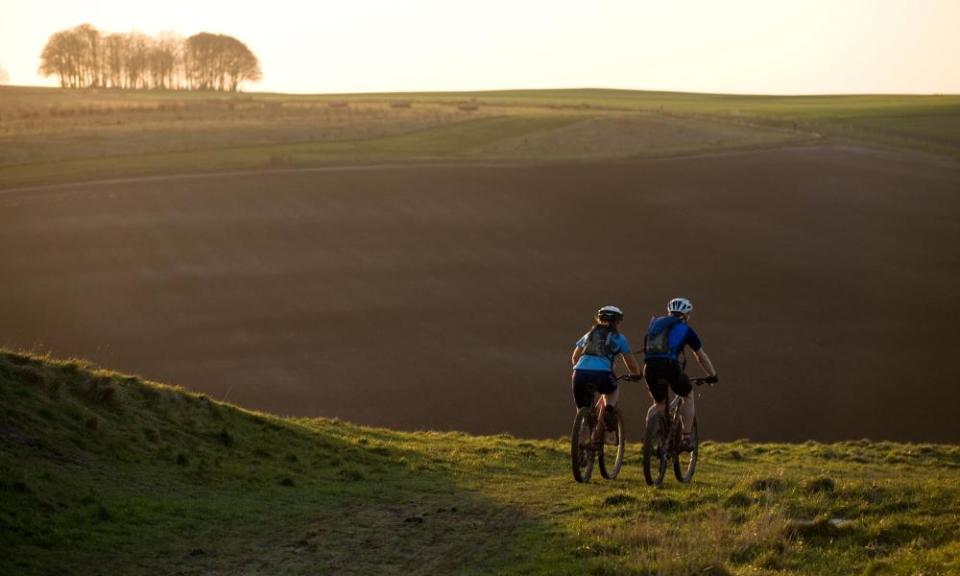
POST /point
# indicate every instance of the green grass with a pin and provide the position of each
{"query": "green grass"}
(486, 139)
(106, 473)
(925, 122)
(52, 135)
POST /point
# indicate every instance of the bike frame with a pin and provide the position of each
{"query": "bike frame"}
(662, 440)
(589, 436)
(672, 406)
(600, 405)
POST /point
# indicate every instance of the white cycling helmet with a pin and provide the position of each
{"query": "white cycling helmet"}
(608, 313)
(681, 305)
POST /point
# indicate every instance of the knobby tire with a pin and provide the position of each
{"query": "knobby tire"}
(685, 463)
(582, 457)
(617, 448)
(654, 451)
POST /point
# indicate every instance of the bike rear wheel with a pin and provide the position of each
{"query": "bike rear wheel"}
(685, 463)
(582, 453)
(655, 450)
(610, 456)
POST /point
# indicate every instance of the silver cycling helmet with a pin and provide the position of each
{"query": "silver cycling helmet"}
(681, 305)
(609, 313)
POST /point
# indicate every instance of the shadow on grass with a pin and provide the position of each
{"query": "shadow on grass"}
(104, 473)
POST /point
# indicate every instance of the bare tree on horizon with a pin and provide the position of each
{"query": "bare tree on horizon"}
(4, 77)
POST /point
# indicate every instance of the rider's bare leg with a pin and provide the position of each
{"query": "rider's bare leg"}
(687, 412)
(610, 401)
(602, 402)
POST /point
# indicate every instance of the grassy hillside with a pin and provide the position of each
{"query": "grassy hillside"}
(106, 473)
(50, 135)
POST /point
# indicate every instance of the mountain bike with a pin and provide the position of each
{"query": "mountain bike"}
(597, 436)
(662, 443)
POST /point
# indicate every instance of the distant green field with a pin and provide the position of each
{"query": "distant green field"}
(105, 473)
(51, 135)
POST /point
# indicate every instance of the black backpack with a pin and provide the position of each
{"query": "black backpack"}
(601, 342)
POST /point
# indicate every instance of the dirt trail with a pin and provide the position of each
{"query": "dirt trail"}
(449, 296)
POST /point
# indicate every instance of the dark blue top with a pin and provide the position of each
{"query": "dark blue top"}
(680, 335)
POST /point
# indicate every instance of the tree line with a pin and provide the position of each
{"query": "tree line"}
(84, 57)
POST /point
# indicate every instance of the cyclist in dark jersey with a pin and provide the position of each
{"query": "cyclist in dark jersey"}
(664, 361)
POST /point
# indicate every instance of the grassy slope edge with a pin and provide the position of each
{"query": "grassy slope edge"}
(106, 473)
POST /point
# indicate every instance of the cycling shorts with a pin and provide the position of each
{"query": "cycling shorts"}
(586, 383)
(662, 372)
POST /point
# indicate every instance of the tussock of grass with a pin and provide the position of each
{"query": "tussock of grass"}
(817, 485)
(173, 482)
(619, 500)
(767, 484)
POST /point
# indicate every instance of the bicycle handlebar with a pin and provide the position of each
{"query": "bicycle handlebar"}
(695, 381)
(701, 381)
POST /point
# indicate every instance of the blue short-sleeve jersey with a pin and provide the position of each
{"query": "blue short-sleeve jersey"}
(591, 362)
(681, 335)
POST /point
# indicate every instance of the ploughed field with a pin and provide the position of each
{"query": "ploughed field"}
(449, 297)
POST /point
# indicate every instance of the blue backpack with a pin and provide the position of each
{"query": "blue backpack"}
(656, 344)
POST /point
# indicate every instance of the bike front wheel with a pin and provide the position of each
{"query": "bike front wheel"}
(685, 463)
(610, 456)
(655, 450)
(582, 453)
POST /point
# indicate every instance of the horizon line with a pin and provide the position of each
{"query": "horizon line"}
(502, 90)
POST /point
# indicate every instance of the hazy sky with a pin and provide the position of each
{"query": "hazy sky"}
(752, 46)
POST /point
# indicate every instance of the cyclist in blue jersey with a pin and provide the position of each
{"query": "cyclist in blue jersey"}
(594, 355)
(664, 362)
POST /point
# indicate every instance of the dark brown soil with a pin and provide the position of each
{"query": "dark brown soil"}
(825, 280)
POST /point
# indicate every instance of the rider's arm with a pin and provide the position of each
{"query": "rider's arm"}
(631, 363)
(704, 361)
(577, 353)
